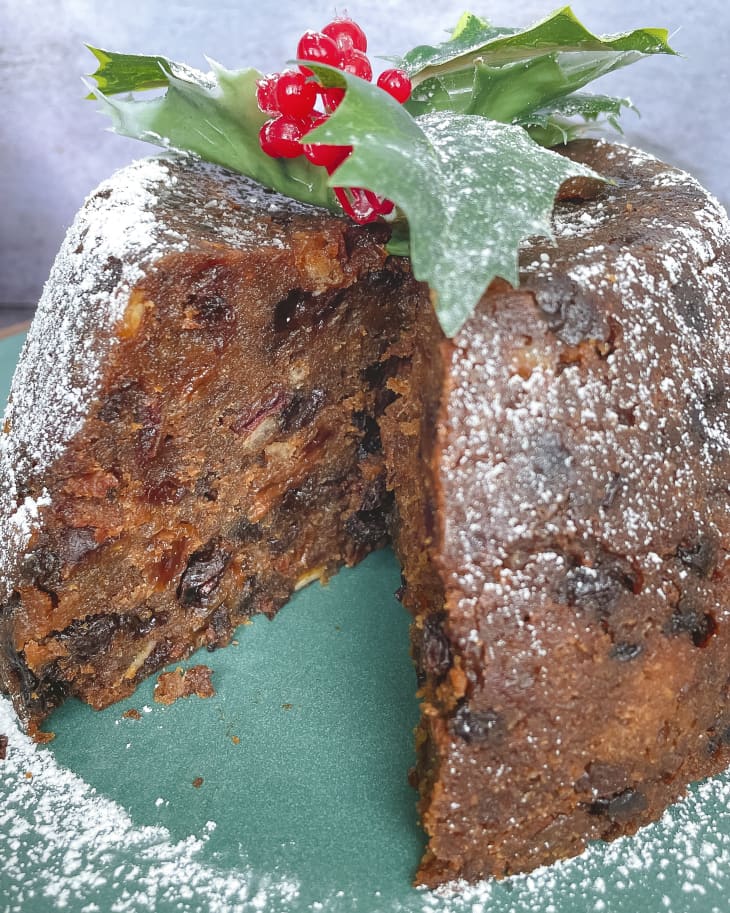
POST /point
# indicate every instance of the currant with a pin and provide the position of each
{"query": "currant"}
(280, 137)
(346, 34)
(396, 83)
(294, 94)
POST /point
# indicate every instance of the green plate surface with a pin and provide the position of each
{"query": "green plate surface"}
(304, 803)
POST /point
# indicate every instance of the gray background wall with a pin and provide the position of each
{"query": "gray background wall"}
(54, 147)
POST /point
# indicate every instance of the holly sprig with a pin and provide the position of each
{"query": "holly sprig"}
(465, 160)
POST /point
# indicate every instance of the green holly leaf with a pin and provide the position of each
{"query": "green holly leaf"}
(127, 72)
(474, 39)
(505, 74)
(471, 189)
(213, 115)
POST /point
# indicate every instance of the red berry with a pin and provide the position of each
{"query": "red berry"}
(358, 64)
(280, 137)
(356, 204)
(324, 155)
(294, 95)
(266, 94)
(386, 207)
(395, 83)
(331, 98)
(346, 34)
(329, 157)
(319, 48)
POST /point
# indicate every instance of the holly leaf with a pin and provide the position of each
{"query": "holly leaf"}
(472, 189)
(127, 72)
(505, 74)
(475, 39)
(213, 115)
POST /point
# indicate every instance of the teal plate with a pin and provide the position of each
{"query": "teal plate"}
(287, 791)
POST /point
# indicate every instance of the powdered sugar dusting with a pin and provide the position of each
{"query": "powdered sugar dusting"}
(66, 847)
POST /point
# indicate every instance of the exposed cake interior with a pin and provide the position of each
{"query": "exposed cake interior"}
(233, 455)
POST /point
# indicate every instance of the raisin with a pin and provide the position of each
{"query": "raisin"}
(613, 486)
(717, 739)
(700, 557)
(111, 275)
(86, 637)
(23, 679)
(367, 527)
(43, 567)
(625, 652)
(126, 398)
(212, 309)
(570, 311)
(205, 486)
(149, 436)
(301, 410)
(207, 304)
(79, 543)
(284, 536)
(141, 625)
(623, 807)
(203, 574)
(370, 441)
(303, 309)
(433, 654)
(364, 235)
(244, 530)
(687, 618)
(476, 725)
(376, 495)
(163, 489)
(600, 587)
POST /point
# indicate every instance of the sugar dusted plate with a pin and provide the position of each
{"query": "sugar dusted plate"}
(287, 791)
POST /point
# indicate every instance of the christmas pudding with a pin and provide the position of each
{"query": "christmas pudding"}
(227, 394)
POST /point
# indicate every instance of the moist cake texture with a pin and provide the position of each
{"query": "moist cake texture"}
(226, 395)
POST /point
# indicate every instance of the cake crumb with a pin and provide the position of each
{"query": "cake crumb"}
(3, 747)
(198, 782)
(132, 714)
(182, 683)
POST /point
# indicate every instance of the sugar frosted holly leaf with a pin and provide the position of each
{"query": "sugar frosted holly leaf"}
(475, 39)
(471, 189)
(214, 115)
(502, 73)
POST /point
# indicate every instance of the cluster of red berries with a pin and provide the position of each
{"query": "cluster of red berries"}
(299, 104)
